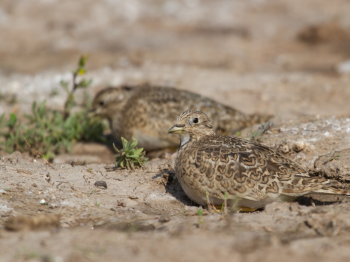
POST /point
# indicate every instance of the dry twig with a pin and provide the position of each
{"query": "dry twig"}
(35, 151)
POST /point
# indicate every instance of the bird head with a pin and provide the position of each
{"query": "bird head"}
(192, 125)
(110, 101)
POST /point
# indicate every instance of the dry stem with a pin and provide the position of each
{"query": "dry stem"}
(35, 151)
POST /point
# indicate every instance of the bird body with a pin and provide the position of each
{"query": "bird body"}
(144, 112)
(249, 173)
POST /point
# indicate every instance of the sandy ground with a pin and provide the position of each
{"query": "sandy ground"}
(286, 58)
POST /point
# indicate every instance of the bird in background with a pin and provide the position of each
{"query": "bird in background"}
(145, 112)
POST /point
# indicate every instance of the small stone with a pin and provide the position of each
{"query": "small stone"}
(34, 185)
(285, 149)
(130, 203)
(53, 205)
(113, 209)
(344, 67)
(164, 219)
(42, 201)
(133, 197)
(299, 146)
(101, 184)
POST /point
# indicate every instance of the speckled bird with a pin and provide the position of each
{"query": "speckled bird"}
(251, 173)
(146, 112)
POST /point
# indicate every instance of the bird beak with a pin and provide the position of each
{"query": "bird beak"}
(176, 129)
(91, 113)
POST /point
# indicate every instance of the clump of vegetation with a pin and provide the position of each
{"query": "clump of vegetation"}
(257, 136)
(130, 156)
(49, 131)
(333, 156)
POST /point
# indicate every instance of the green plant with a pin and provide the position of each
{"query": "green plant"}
(257, 136)
(332, 156)
(49, 131)
(93, 191)
(97, 204)
(129, 155)
(200, 215)
(83, 83)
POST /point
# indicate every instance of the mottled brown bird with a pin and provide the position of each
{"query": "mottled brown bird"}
(145, 112)
(251, 173)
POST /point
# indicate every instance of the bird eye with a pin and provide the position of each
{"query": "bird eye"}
(102, 103)
(195, 120)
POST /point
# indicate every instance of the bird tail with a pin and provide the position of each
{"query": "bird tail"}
(332, 191)
(303, 185)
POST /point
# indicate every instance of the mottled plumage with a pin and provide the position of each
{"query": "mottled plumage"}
(144, 112)
(251, 173)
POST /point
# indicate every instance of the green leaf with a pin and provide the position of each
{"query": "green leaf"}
(138, 151)
(85, 83)
(2, 117)
(64, 85)
(133, 145)
(82, 61)
(133, 156)
(115, 148)
(12, 121)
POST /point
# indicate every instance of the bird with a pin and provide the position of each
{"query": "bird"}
(212, 167)
(144, 112)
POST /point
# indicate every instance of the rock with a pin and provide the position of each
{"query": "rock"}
(284, 149)
(344, 67)
(130, 203)
(101, 184)
(299, 146)
(164, 219)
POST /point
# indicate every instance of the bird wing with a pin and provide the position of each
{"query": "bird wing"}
(238, 167)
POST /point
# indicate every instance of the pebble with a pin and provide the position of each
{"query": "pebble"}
(164, 219)
(130, 203)
(299, 146)
(101, 184)
(285, 149)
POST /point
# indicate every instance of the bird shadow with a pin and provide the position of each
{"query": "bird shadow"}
(316, 200)
(173, 187)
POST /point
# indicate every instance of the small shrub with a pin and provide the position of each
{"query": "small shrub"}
(130, 156)
(49, 131)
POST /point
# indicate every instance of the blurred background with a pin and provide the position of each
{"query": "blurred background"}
(278, 57)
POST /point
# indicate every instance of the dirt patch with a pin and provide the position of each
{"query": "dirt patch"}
(145, 214)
